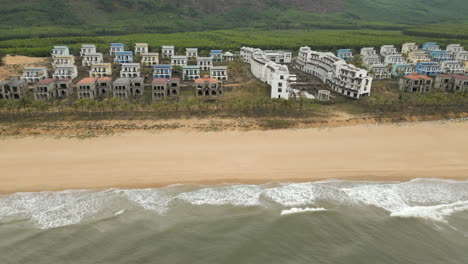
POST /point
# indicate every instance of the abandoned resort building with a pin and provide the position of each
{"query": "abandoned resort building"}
(163, 73)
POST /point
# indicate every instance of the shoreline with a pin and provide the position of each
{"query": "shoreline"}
(134, 160)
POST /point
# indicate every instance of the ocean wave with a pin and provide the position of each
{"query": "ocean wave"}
(302, 210)
(431, 199)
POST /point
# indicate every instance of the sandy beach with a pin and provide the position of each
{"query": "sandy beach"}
(145, 160)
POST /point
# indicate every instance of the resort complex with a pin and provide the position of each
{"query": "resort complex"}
(127, 72)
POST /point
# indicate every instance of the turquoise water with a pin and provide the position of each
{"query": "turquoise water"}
(422, 221)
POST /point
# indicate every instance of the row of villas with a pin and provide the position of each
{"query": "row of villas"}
(124, 88)
(264, 66)
(343, 78)
(429, 60)
(416, 83)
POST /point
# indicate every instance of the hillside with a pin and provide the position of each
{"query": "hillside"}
(116, 16)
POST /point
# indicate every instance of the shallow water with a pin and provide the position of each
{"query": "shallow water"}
(421, 221)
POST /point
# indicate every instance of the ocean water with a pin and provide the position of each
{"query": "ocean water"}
(421, 221)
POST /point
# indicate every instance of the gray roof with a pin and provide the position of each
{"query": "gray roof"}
(138, 79)
(122, 81)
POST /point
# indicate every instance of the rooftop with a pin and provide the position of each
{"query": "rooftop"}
(122, 81)
(88, 80)
(162, 66)
(45, 82)
(202, 80)
(105, 79)
(417, 77)
(117, 44)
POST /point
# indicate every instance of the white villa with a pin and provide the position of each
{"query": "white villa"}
(219, 73)
(149, 59)
(387, 50)
(246, 54)
(453, 49)
(190, 72)
(343, 78)
(141, 48)
(205, 63)
(34, 74)
(60, 51)
(87, 49)
(380, 71)
(179, 60)
(394, 59)
(191, 52)
(371, 60)
(368, 51)
(130, 70)
(168, 51)
(65, 72)
(279, 56)
(92, 58)
(462, 56)
(64, 60)
(99, 70)
(228, 56)
(409, 47)
(452, 67)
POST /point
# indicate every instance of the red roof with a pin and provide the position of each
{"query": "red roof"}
(105, 79)
(88, 80)
(174, 79)
(45, 81)
(418, 77)
(202, 80)
(160, 81)
(463, 77)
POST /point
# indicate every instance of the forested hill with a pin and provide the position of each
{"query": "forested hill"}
(195, 15)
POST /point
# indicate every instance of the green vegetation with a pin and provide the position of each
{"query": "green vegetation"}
(231, 40)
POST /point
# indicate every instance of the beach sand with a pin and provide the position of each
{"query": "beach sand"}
(145, 160)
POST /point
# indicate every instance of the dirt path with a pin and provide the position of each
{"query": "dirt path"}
(13, 65)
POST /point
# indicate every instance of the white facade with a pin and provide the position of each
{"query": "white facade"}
(246, 54)
(462, 56)
(65, 72)
(87, 49)
(34, 74)
(454, 48)
(60, 51)
(394, 59)
(167, 51)
(272, 73)
(141, 48)
(371, 60)
(179, 60)
(380, 71)
(452, 67)
(92, 58)
(368, 51)
(387, 50)
(219, 73)
(130, 70)
(342, 77)
(191, 52)
(149, 59)
(205, 63)
(99, 70)
(279, 56)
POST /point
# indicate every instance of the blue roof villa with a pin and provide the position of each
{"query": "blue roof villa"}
(345, 54)
(428, 68)
(402, 69)
(162, 72)
(60, 51)
(217, 55)
(123, 57)
(439, 55)
(116, 47)
(430, 46)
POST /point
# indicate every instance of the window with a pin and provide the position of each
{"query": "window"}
(280, 90)
(280, 84)
(281, 77)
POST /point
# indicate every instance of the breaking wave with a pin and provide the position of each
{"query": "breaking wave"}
(431, 199)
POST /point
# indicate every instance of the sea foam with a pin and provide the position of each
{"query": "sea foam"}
(301, 210)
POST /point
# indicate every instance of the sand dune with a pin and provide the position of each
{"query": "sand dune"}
(143, 160)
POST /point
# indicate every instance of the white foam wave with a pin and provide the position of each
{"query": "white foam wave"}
(431, 199)
(302, 210)
(237, 195)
